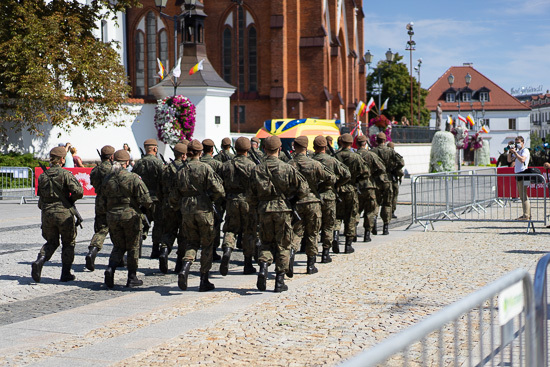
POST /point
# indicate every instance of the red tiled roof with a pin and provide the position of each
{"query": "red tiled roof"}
(499, 99)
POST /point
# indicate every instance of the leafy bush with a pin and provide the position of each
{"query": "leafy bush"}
(13, 159)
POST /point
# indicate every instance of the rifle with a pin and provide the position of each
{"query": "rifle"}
(254, 156)
(331, 149)
(287, 153)
(64, 199)
(233, 150)
(142, 152)
(217, 151)
(98, 153)
(162, 157)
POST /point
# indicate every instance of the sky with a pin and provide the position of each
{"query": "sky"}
(506, 40)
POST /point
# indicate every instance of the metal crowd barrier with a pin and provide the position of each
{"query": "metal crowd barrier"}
(16, 183)
(470, 332)
(541, 310)
(476, 195)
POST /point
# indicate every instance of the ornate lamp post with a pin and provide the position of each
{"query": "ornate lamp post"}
(411, 46)
(417, 69)
(368, 60)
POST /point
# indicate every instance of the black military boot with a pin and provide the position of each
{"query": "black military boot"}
(36, 271)
(133, 280)
(393, 215)
(290, 272)
(163, 260)
(224, 266)
(90, 258)
(280, 285)
(110, 275)
(183, 274)
(215, 256)
(366, 237)
(262, 277)
(66, 275)
(336, 242)
(374, 229)
(325, 257)
(385, 230)
(179, 263)
(155, 251)
(349, 249)
(248, 267)
(205, 285)
(311, 269)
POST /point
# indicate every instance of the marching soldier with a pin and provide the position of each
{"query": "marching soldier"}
(125, 193)
(272, 185)
(198, 187)
(396, 177)
(328, 194)
(100, 221)
(308, 208)
(255, 149)
(238, 220)
(225, 154)
(149, 168)
(58, 189)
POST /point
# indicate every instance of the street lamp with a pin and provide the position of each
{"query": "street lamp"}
(368, 60)
(411, 46)
(417, 68)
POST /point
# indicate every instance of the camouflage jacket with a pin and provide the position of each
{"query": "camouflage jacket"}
(224, 156)
(376, 167)
(315, 174)
(169, 177)
(214, 163)
(272, 183)
(340, 170)
(149, 168)
(392, 160)
(259, 154)
(124, 194)
(197, 187)
(236, 177)
(357, 168)
(67, 184)
(98, 174)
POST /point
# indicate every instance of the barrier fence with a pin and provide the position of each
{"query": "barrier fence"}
(16, 183)
(478, 195)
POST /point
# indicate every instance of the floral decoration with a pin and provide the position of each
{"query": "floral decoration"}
(175, 119)
(379, 124)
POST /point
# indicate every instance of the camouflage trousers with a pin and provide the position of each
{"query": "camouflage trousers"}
(307, 228)
(347, 211)
(384, 199)
(199, 230)
(276, 237)
(368, 205)
(125, 235)
(238, 219)
(55, 225)
(155, 215)
(101, 230)
(172, 230)
(328, 220)
(395, 193)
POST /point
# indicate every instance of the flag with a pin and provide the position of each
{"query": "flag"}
(470, 120)
(370, 105)
(161, 69)
(361, 106)
(485, 129)
(196, 68)
(177, 70)
(450, 120)
(462, 119)
(384, 105)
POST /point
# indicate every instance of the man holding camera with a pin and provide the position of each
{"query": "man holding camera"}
(520, 155)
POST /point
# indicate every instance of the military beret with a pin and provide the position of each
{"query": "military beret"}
(226, 142)
(107, 150)
(185, 141)
(180, 148)
(302, 141)
(272, 143)
(320, 141)
(329, 139)
(121, 156)
(195, 145)
(150, 142)
(347, 138)
(208, 142)
(58, 152)
(255, 140)
(381, 136)
(242, 144)
(361, 138)
(391, 144)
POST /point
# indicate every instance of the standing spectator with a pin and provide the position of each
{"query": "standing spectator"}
(77, 160)
(393, 121)
(520, 155)
(126, 147)
(69, 161)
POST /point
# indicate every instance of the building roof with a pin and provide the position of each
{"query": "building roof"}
(539, 101)
(499, 99)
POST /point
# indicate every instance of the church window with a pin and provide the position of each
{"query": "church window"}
(227, 55)
(252, 60)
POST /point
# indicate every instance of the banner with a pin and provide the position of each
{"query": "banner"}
(507, 186)
(82, 174)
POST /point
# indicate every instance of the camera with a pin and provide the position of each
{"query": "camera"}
(511, 146)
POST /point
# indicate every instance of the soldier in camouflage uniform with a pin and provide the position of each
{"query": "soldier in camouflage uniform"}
(125, 193)
(238, 220)
(272, 184)
(309, 208)
(328, 194)
(396, 177)
(384, 194)
(225, 154)
(172, 228)
(367, 198)
(255, 148)
(207, 157)
(149, 168)
(347, 210)
(100, 221)
(198, 187)
(57, 216)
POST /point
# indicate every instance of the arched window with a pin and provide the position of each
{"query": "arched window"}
(252, 60)
(226, 49)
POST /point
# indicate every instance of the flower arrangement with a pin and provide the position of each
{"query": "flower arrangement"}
(379, 124)
(443, 152)
(461, 137)
(175, 119)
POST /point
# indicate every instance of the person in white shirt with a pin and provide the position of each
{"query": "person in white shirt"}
(520, 155)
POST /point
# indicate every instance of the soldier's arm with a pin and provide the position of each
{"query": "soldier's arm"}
(142, 194)
(298, 183)
(75, 188)
(325, 175)
(215, 185)
(251, 194)
(343, 173)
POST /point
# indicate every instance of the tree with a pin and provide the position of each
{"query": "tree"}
(396, 86)
(52, 68)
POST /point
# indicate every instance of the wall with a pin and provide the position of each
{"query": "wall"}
(416, 156)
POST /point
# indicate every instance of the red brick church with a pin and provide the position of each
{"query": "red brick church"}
(288, 59)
